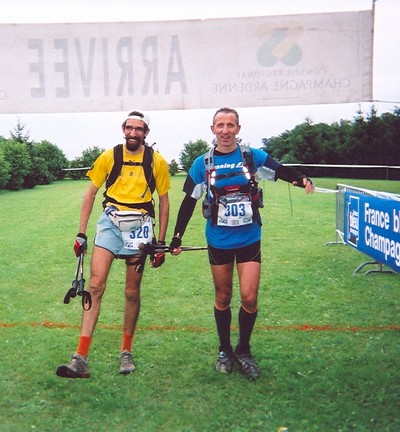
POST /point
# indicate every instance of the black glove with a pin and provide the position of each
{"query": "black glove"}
(176, 243)
(157, 259)
(80, 245)
(300, 182)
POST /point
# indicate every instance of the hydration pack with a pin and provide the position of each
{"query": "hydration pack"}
(147, 165)
(214, 194)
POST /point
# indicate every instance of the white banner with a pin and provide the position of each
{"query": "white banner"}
(240, 62)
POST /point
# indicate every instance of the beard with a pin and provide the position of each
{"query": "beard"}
(133, 145)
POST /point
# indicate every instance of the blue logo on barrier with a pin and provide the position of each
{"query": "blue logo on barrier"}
(353, 221)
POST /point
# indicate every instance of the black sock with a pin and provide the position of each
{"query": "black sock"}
(246, 325)
(223, 320)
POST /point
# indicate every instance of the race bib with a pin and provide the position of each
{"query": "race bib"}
(144, 234)
(135, 227)
(234, 210)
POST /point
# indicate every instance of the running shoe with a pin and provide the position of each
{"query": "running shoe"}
(126, 363)
(225, 362)
(76, 368)
(247, 365)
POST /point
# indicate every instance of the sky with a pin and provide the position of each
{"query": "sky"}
(75, 132)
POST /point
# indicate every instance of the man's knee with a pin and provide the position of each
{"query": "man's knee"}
(250, 308)
(97, 287)
(223, 298)
(250, 302)
(132, 293)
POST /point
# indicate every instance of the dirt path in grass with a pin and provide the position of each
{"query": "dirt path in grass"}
(294, 327)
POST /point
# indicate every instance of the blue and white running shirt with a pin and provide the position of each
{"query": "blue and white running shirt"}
(220, 236)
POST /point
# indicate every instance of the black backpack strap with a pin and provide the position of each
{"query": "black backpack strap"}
(255, 191)
(248, 159)
(116, 169)
(148, 173)
(148, 167)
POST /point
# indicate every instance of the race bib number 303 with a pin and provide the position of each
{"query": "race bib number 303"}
(232, 214)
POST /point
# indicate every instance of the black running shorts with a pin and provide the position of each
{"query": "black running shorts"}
(225, 256)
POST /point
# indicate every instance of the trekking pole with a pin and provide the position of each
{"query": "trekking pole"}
(149, 248)
(86, 297)
(78, 286)
(72, 291)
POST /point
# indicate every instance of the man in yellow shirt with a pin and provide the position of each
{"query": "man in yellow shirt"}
(127, 221)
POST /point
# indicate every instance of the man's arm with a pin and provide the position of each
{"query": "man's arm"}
(293, 176)
(163, 211)
(87, 207)
(184, 215)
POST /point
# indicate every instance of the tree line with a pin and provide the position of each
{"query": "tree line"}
(366, 140)
(25, 164)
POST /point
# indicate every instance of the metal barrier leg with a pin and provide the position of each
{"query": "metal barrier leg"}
(339, 234)
(378, 270)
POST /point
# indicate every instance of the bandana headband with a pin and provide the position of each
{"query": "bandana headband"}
(145, 119)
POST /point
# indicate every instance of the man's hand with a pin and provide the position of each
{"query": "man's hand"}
(308, 185)
(175, 245)
(158, 258)
(305, 183)
(80, 246)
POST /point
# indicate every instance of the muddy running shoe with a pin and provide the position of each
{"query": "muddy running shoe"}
(247, 365)
(76, 368)
(225, 362)
(126, 363)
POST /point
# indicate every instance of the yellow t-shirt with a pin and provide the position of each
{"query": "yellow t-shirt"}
(131, 185)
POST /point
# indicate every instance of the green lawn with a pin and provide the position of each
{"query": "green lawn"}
(327, 340)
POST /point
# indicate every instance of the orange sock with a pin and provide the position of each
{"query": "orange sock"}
(84, 345)
(127, 342)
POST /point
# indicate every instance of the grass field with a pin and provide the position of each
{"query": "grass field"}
(327, 340)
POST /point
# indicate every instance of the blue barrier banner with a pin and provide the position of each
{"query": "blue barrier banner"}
(372, 226)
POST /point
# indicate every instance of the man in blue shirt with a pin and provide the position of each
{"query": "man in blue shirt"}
(233, 229)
